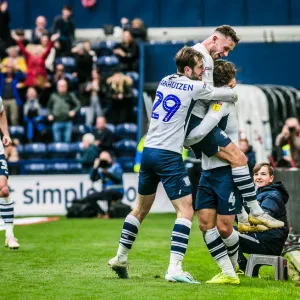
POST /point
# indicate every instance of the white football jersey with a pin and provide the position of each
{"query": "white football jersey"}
(175, 98)
(201, 107)
(1, 110)
(227, 114)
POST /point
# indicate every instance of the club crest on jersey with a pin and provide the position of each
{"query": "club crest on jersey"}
(204, 85)
(217, 106)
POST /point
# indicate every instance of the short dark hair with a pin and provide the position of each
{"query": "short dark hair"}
(20, 32)
(68, 7)
(224, 72)
(227, 31)
(187, 56)
(257, 167)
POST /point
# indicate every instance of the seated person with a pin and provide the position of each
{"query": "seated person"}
(91, 152)
(272, 197)
(128, 53)
(104, 138)
(111, 175)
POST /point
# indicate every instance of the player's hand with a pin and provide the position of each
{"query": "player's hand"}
(50, 118)
(6, 140)
(72, 113)
(232, 83)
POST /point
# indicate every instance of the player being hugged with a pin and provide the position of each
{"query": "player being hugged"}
(162, 160)
(6, 205)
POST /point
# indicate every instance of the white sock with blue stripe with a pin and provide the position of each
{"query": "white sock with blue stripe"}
(243, 181)
(179, 243)
(129, 232)
(7, 214)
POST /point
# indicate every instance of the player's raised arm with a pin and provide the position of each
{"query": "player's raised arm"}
(224, 74)
(205, 92)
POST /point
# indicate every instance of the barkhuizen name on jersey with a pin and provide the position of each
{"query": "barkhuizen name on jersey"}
(176, 85)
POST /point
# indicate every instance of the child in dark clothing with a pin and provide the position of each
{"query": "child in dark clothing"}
(272, 197)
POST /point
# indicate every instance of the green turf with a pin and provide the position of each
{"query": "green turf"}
(68, 260)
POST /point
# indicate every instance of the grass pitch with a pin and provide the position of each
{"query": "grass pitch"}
(68, 260)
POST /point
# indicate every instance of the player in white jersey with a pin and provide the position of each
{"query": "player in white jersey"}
(219, 44)
(162, 160)
(6, 205)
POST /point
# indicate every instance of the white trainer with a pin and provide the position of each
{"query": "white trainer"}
(12, 243)
(121, 268)
(266, 220)
(181, 276)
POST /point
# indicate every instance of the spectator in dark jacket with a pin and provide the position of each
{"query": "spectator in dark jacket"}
(91, 96)
(9, 82)
(111, 175)
(250, 154)
(138, 30)
(84, 63)
(104, 138)
(64, 25)
(272, 198)
(91, 152)
(62, 108)
(5, 38)
(128, 53)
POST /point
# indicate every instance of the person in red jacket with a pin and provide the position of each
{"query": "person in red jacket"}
(36, 73)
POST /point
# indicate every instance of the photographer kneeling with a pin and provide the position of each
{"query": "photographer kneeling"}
(111, 175)
(272, 197)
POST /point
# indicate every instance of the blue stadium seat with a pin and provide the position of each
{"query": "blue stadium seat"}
(127, 163)
(111, 127)
(135, 77)
(75, 149)
(20, 149)
(75, 168)
(104, 49)
(125, 148)
(68, 62)
(126, 131)
(17, 132)
(108, 65)
(57, 168)
(78, 131)
(135, 93)
(110, 44)
(59, 150)
(34, 168)
(35, 151)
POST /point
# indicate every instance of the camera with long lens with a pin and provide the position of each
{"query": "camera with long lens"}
(292, 129)
(104, 164)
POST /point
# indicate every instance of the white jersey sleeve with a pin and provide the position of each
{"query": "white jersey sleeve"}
(1, 105)
(202, 91)
(216, 112)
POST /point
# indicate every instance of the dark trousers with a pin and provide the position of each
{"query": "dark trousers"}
(108, 195)
(258, 243)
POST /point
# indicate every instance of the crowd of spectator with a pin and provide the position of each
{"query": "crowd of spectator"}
(46, 94)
